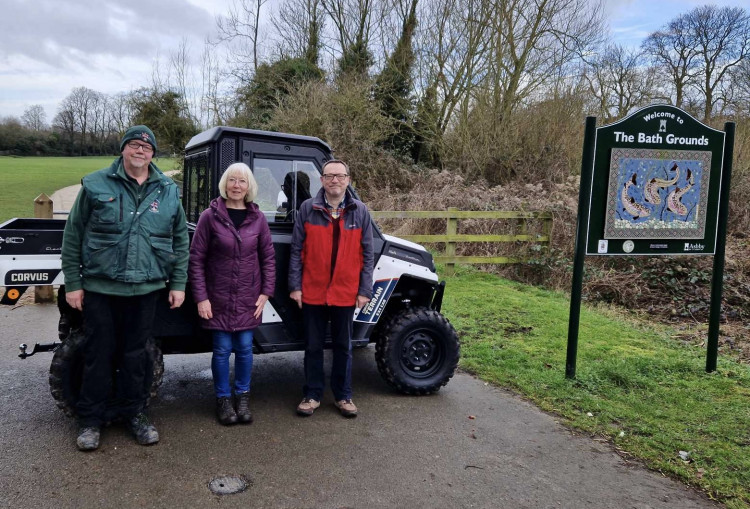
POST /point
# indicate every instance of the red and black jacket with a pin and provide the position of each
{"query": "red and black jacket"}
(311, 253)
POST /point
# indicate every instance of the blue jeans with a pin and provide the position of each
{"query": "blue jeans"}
(242, 344)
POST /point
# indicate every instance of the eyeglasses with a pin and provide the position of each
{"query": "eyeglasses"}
(135, 146)
(232, 181)
(338, 176)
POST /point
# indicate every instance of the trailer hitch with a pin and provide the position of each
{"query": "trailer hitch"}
(37, 348)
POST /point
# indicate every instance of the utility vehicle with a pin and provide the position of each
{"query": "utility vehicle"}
(416, 348)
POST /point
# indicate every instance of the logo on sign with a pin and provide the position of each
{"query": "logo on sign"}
(694, 247)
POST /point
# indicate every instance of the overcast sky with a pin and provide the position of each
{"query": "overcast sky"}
(49, 47)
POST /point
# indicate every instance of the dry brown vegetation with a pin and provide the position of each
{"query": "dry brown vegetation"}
(674, 289)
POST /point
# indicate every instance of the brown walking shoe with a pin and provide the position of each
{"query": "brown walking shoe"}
(347, 408)
(307, 407)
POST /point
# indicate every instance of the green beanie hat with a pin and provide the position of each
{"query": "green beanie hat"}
(140, 133)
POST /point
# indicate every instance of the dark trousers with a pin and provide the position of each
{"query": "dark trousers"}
(116, 329)
(315, 320)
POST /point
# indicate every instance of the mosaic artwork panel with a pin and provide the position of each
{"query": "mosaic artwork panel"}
(657, 194)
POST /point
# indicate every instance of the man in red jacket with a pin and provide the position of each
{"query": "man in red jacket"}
(330, 273)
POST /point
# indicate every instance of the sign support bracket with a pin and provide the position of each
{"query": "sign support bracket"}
(584, 197)
(717, 278)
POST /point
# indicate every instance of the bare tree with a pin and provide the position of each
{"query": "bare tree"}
(158, 81)
(619, 81)
(241, 29)
(79, 104)
(531, 40)
(216, 104)
(35, 118)
(99, 121)
(209, 96)
(64, 122)
(181, 79)
(298, 27)
(675, 54)
(353, 22)
(722, 38)
(121, 112)
(741, 83)
(451, 45)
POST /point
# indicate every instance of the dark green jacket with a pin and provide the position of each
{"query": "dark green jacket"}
(125, 239)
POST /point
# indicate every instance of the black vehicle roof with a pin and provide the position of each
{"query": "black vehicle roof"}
(213, 134)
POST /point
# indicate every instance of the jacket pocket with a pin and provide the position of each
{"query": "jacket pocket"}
(107, 213)
(100, 255)
(164, 257)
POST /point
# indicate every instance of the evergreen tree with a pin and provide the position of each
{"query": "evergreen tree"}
(271, 83)
(393, 87)
(166, 114)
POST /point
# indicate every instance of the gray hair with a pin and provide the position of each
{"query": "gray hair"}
(242, 170)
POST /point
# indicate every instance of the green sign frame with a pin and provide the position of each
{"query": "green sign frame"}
(655, 185)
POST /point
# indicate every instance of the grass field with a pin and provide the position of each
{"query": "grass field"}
(649, 395)
(23, 178)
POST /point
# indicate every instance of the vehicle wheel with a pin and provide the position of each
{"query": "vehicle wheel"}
(417, 351)
(66, 371)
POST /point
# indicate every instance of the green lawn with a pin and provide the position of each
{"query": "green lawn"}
(646, 393)
(23, 178)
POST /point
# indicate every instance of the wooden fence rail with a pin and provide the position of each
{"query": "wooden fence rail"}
(452, 237)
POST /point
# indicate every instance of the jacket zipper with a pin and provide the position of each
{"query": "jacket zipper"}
(121, 207)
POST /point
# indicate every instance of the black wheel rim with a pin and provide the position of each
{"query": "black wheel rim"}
(421, 354)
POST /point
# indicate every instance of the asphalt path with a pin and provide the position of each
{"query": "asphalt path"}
(469, 445)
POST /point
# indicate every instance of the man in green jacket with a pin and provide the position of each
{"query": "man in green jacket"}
(125, 240)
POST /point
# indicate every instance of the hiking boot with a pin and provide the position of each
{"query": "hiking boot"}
(347, 408)
(145, 432)
(243, 407)
(307, 407)
(225, 411)
(88, 438)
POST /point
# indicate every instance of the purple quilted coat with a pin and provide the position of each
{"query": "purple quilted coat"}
(231, 267)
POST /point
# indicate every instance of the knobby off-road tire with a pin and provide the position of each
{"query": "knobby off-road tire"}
(417, 351)
(66, 371)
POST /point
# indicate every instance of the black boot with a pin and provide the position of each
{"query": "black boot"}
(88, 438)
(225, 411)
(243, 407)
(143, 431)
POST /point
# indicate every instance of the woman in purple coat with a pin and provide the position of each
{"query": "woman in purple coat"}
(232, 272)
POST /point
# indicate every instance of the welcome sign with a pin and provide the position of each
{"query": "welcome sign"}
(655, 185)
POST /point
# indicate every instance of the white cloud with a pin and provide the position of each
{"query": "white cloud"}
(49, 47)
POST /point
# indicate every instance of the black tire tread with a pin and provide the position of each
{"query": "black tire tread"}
(386, 340)
(68, 354)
